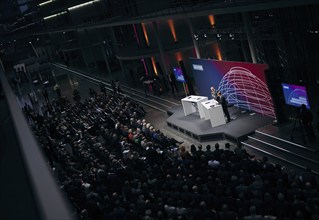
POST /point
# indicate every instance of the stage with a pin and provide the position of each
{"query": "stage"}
(243, 123)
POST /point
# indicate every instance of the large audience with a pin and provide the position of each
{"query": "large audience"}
(113, 164)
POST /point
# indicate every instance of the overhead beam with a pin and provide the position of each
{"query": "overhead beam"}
(189, 13)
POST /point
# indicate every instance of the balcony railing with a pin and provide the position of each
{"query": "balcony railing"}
(27, 187)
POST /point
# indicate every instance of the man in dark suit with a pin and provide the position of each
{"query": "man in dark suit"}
(223, 102)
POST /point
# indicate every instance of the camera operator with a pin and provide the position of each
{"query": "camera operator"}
(306, 119)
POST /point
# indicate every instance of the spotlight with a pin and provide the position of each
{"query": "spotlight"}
(219, 35)
(205, 35)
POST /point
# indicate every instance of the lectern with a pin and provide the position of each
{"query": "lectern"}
(214, 112)
(192, 104)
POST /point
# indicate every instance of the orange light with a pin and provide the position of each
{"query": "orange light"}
(178, 56)
(217, 51)
(172, 28)
(211, 20)
(145, 34)
(154, 66)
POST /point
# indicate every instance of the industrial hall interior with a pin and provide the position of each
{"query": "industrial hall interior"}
(170, 109)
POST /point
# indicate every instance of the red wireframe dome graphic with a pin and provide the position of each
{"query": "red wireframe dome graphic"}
(245, 90)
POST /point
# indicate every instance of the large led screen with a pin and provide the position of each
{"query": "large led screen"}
(242, 84)
(295, 95)
(179, 74)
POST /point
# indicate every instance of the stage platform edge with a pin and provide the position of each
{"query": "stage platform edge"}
(243, 123)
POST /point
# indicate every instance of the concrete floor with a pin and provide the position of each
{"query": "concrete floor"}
(155, 117)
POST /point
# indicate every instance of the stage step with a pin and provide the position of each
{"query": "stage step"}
(287, 145)
(285, 133)
(285, 151)
(288, 164)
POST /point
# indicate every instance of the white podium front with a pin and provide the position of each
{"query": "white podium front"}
(214, 112)
(190, 103)
(207, 105)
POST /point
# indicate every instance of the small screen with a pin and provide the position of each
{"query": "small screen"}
(295, 95)
(179, 74)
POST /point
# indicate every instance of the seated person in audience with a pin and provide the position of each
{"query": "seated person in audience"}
(217, 152)
(199, 151)
(115, 165)
(240, 152)
(227, 152)
(184, 154)
(209, 153)
(253, 215)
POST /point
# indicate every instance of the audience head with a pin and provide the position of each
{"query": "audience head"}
(99, 171)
